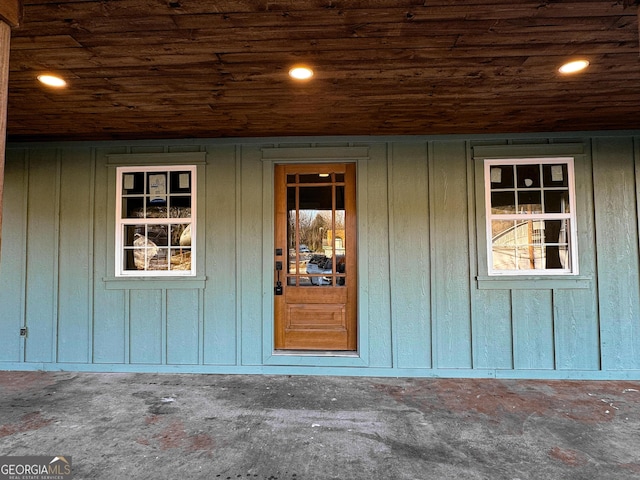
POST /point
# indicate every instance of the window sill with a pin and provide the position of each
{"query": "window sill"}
(151, 283)
(533, 282)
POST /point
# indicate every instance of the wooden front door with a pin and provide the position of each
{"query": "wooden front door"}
(315, 257)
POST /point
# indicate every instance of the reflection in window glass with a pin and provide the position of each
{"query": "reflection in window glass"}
(528, 176)
(314, 178)
(503, 202)
(501, 176)
(556, 201)
(555, 175)
(530, 202)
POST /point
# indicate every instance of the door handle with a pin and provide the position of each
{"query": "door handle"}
(278, 290)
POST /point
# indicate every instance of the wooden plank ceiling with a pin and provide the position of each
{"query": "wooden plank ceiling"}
(218, 68)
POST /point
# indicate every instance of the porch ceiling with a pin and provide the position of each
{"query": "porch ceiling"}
(218, 68)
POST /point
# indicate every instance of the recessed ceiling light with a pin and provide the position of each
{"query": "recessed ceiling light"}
(52, 80)
(574, 67)
(301, 73)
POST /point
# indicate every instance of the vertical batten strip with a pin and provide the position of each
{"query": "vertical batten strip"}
(56, 259)
(202, 249)
(471, 247)
(25, 248)
(393, 332)
(201, 326)
(428, 199)
(127, 326)
(432, 242)
(164, 319)
(513, 330)
(90, 256)
(554, 328)
(391, 239)
(268, 245)
(238, 247)
(472, 233)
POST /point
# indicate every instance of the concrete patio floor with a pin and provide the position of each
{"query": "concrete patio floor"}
(166, 426)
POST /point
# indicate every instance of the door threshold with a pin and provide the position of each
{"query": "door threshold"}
(317, 353)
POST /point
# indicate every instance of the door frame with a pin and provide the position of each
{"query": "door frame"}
(333, 303)
(269, 156)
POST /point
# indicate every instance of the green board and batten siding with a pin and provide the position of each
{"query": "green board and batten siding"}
(426, 306)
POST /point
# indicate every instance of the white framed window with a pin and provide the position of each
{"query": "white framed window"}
(531, 216)
(155, 221)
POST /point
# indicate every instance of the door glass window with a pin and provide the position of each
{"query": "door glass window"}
(316, 230)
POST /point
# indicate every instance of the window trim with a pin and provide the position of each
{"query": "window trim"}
(120, 222)
(573, 270)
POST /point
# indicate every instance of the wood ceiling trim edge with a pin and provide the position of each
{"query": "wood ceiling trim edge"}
(11, 12)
